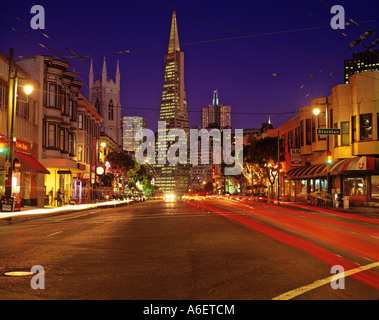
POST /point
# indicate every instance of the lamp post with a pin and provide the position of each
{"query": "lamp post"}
(316, 111)
(12, 103)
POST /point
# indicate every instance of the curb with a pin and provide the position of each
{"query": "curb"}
(25, 217)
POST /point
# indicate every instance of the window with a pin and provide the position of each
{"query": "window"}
(313, 129)
(353, 128)
(366, 126)
(110, 110)
(345, 133)
(52, 95)
(61, 140)
(336, 136)
(3, 95)
(71, 143)
(97, 105)
(308, 132)
(80, 153)
(301, 133)
(80, 121)
(51, 135)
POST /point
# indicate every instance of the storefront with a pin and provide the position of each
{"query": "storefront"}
(356, 177)
(67, 177)
(24, 176)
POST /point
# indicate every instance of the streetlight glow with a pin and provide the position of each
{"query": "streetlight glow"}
(28, 89)
(316, 111)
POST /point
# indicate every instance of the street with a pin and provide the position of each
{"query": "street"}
(195, 249)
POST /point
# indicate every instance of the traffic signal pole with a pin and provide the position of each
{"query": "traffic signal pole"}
(12, 96)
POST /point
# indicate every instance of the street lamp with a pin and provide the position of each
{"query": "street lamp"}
(12, 103)
(316, 111)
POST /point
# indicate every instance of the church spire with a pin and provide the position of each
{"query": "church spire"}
(118, 74)
(104, 72)
(91, 75)
(174, 36)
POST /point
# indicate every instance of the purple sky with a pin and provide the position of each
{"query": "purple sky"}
(240, 69)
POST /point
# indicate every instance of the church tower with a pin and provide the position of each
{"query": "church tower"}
(104, 94)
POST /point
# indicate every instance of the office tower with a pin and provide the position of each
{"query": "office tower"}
(130, 126)
(361, 62)
(173, 110)
(216, 115)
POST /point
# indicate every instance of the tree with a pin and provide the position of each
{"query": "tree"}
(261, 159)
(121, 162)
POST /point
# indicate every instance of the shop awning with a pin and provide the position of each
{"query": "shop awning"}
(343, 166)
(28, 163)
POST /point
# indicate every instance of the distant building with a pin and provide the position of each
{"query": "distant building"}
(216, 115)
(130, 126)
(104, 94)
(173, 110)
(361, 62)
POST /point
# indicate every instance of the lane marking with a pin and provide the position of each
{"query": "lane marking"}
(73, 217)
(319, 283)
(53, 234)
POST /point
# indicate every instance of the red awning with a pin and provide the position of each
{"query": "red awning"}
(28, 163)
(343, 166)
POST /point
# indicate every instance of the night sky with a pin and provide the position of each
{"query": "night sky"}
(216, 53)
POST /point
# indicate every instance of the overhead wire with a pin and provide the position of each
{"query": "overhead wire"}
(320, 71)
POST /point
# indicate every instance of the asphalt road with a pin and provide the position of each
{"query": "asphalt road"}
(212, 249)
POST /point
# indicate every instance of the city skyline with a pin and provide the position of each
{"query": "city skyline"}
(219, 55)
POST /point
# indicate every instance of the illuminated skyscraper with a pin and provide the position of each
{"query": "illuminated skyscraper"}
(130, 127)
(173, 110)
(216, 115)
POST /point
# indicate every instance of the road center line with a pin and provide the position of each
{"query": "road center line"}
(319, 283)
(53, 234)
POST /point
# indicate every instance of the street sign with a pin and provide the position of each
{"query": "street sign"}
(328, 131)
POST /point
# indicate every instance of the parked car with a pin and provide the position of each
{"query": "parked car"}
(260, 196)
(136, 197)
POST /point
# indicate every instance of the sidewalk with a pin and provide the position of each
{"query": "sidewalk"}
(373, 209)
(369, 207)
(27, 213)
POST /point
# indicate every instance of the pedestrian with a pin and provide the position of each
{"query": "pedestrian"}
(51, 195)
(59, 197)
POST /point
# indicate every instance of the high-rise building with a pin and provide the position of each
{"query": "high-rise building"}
(130, 126)
(216, 115)
(361, 62)
(173, 110)
(104, 94)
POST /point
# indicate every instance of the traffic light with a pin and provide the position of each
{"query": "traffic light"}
(3, 147)
(329, 159)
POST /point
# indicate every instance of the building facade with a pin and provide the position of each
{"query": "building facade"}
(353, 110)
(173, 111)
(130, 126)
(28, 175)
(64, 116)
